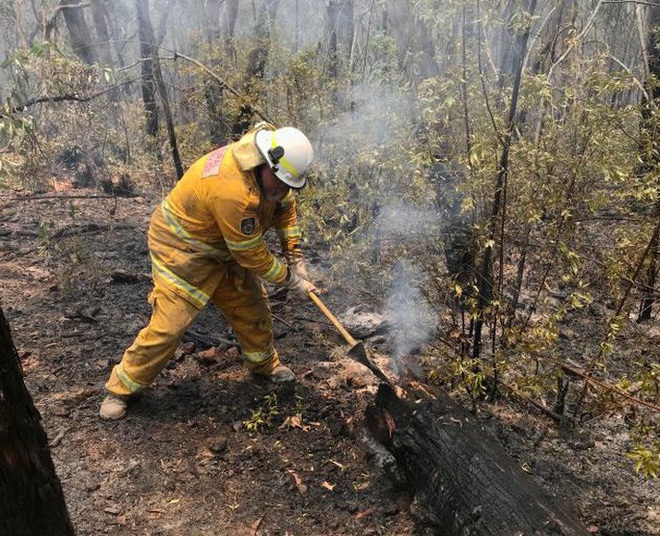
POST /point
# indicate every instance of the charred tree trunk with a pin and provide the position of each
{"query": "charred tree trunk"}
(147, 67)
(103, 36)
(464, 482)
(148, 45)
(333, 57)
(79, 34)
(31, 498)
(116, 36)
(416, 48)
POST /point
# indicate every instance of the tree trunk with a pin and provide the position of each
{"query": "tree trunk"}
(81, 39)
(650, 154)
(225, 23)
(211, 21)
(150, 47)
(485, 281)
(416, 49)
(31, 498)
(102, 34)
(256, 69)
(464, 482)
(333, 57)
(145, 33)
(99, 16)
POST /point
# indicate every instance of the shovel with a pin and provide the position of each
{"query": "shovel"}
(357, 351)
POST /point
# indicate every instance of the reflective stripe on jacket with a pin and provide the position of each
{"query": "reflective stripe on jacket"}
(215, 215)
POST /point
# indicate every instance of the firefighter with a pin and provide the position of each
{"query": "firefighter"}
(206, 244)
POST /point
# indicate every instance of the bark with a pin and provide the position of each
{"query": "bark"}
(147, 41)
(148, 85)
(464, 481)
(416, 48)
(332, 21)
(31, 498)
(231, 14)
(102, 34)
(650, 155)
(99, 16)
(79, 34)
(256, 68)
(117, 37)
(223, 29)
(211, 21)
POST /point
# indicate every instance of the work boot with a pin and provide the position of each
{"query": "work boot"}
(113, 408)
(282, 374)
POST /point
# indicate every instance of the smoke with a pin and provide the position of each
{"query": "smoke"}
(411, 316)
(376, 114)
(374, 134)
(404, 223)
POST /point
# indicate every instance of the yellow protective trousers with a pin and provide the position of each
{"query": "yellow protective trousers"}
(243, 301)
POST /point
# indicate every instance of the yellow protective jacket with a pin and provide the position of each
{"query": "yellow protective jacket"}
(216, 216)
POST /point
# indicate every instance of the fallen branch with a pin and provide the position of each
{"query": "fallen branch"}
(604, 385)
(536, 404)
(206, 341)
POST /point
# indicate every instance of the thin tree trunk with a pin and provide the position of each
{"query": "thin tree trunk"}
(147, 40)
(256, 69)
(167, 111)
(31, 498)
(650, 154)
(99, 16)
(333, 59)
(485, 280)
(148, 85)
(218, 121)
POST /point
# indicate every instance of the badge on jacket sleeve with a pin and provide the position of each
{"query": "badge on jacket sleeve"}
(248, 226)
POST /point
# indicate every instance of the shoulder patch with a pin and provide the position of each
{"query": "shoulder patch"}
(248, 225)
(212, 166)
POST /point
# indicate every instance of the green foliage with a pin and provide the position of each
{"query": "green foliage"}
(264, 415)
(47, 246)
(647, 460)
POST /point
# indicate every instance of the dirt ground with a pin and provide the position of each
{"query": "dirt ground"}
(210, 451)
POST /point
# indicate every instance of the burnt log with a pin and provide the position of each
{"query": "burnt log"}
(464, 482)
(31, 498)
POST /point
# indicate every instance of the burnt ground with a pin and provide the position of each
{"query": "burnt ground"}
(210, 451)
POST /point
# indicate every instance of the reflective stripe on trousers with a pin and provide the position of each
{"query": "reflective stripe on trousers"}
(242, 300)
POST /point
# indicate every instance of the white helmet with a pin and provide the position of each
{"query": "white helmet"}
(288, 153)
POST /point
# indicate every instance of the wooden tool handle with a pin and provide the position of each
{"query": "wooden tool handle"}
(350, 340)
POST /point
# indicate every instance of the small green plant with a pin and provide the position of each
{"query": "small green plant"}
(472, 376)
(647, 460)
(264, 415)
(46, 243)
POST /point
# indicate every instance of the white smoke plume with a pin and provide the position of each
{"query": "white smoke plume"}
(411, 316)
(405, 223)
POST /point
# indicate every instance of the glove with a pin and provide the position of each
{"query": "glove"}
(294, 259)
(301, 270)
(300, 286)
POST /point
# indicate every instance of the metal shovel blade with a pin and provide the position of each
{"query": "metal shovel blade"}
(359, 353)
